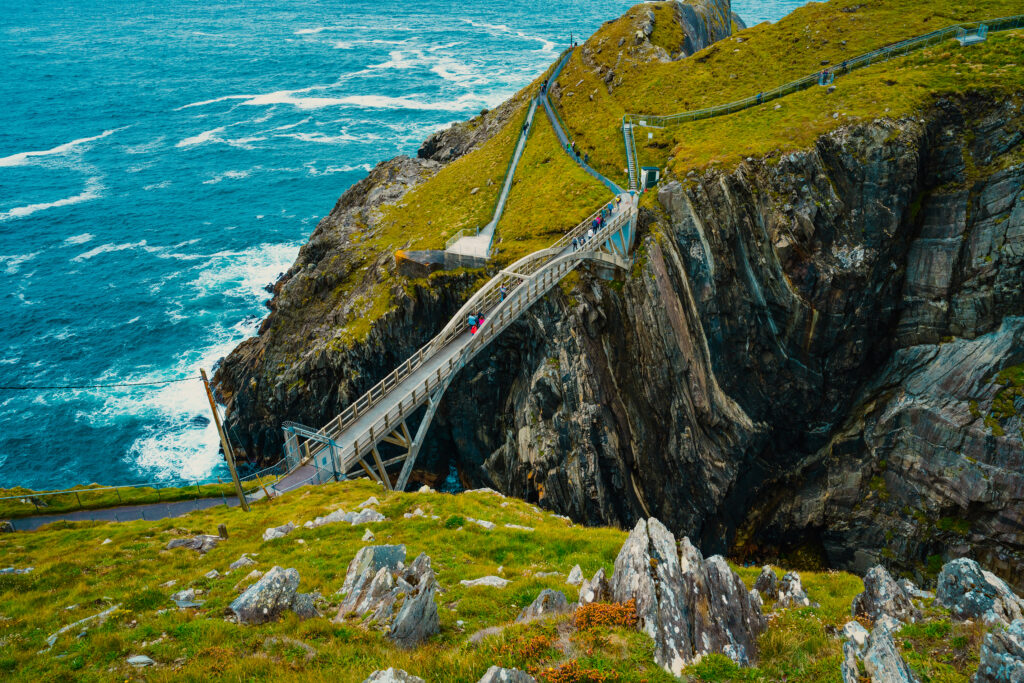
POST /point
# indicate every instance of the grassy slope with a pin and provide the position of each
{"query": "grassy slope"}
(76, 576)
(550, 195)
(773, 54)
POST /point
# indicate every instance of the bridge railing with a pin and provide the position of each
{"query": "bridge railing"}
(875, 56)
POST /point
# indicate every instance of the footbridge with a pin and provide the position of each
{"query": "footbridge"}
(399, 409)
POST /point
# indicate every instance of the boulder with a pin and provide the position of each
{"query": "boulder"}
(202, 543)
(368, 536)
(6, 527)
(767, 584)
(883, 661)
(367, 516)
(970, 592)
(498, 675)
(379, 581)
(689, 606)
(882, 595)
(332, 518)
(596, 589)
(140, 661)
(269, 597)
(492, 581)
(372, 500)
(575, 576)
(212, 574)
(1002, 655)
(278, 531)
(243, 561)
(791, 592)
(548, 603)
(913, 591)
(482, 522)
(392, 676)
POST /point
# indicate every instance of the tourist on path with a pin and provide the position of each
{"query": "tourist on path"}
(471, 321)
(575, 244)
(503, 291)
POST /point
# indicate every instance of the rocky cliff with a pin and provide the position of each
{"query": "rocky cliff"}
(819, 355)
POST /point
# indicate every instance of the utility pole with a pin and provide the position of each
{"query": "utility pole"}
(228, 453)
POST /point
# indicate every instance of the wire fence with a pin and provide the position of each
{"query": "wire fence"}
(825, 76)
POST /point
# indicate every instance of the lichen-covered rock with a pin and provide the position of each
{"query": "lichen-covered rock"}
(856, 635)
(791, 591)
(883, 661)
(549, 603)
(1002, 655)
(377, 582)
(278, 531)
(882, 595)
(970, 592)
(392, 675)
(596, 589)
(575, 576)
(496, 674)
(268, 598)
(849, 668)
(911, 589)
(767, 584)
(243, 561)
(202, 543)
(689, 606)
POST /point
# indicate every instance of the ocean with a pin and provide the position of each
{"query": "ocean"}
(162, 162)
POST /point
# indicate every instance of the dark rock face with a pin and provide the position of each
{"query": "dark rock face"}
(689, 606)
(970, 592)
(548, 604)
(882, 595)
(269, 597)
(1002, 655)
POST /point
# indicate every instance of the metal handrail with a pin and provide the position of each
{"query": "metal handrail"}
(882, 54)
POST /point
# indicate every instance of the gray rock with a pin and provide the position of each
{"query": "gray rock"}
(791, 592)
(140, 661)
(368, 536)
(202, 543)
(492, 581)
(767, 584)
(332, 518)
(596, 589)
(368, 561)
(186, 598)
(6, 527)
(392, 676)
(913, 591)
(16, 570)
(278, 531)
(688, 605)
(367, 516)
(496, 674)
(856, 635)
(372, 500)
(882, 595)
(243, 561)
(212, 574)
(575, 576)
(269, 597)
(549, 603)
(1002, 655)
(417, 620)
(850, 669)
(970, 592)
(883, 661)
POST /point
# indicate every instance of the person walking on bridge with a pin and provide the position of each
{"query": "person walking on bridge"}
(575, 244)
(502, 291)
(471, 321)
(586, 158)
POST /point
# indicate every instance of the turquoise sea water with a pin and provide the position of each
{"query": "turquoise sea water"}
(162, 162)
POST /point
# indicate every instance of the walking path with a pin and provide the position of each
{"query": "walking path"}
(126, 513)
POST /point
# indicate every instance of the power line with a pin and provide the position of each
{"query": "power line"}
(30, 387)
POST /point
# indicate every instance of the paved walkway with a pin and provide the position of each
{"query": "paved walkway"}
(124, 513)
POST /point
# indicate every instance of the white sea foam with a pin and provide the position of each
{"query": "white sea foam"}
(23, 157)
(78, 239)
(293, 125)
(108, 248)
(228, 175)
(547, 45)
(320, 137)
(205, 136)
(157, 186)
(93, 190)
(12, 264)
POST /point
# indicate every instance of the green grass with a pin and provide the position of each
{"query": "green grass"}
(764, 56)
